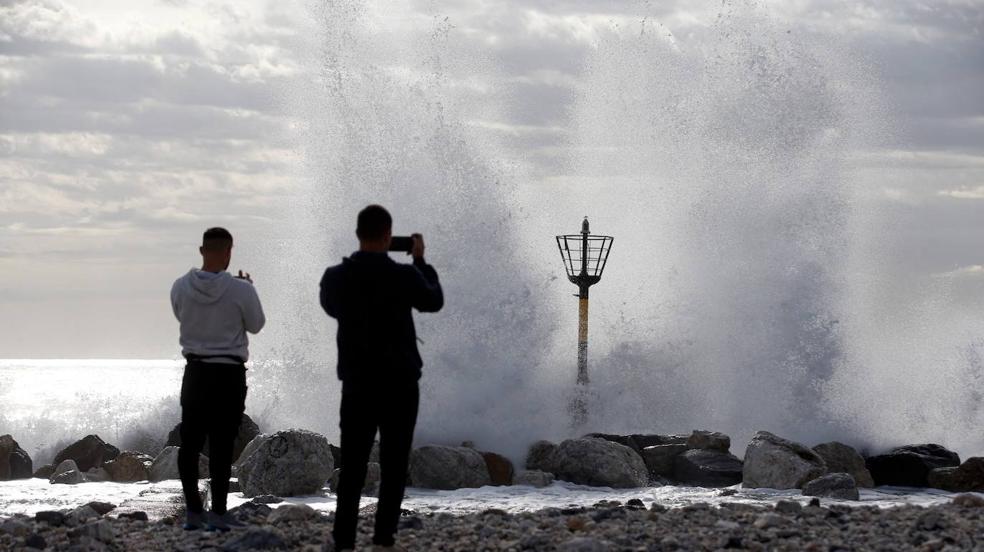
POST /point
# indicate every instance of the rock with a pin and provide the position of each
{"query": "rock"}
(373, 474)
(15, 463)
(134, 516)
(336, 455)
(248, 430)
(775, 463)
(659, 458)
(292, 513)
(448, 468)
(81, 515)
(967, 477)
(45, 471)
(129, 467)
(501, 469)
(597, 462)
(584, 544)
(841, 458)
(36, 541)
(968, 501)
(256, 539)
(67, 473)
(165, 466)
(768, 521)
(788, 507)
(834, 485)
(267, 499)
(15, 528)
(251, 512)
(51, 517)
(707, 468)
(101, 508)
(709, 440)
(539, 453)
(533, 478)
(97, 475)
(371, 485)
(293, 462)
(909, 466)
(101, 531)
(88, 452)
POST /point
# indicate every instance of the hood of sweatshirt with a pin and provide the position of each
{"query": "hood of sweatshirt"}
(204, 287)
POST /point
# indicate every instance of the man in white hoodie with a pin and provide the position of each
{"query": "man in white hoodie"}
(215, 310)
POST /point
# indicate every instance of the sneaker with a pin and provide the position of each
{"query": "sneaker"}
(223, 522)
(194, 521)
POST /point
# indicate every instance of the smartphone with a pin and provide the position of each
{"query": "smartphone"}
(401, 243)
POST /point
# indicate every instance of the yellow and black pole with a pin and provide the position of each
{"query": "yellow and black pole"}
(585, 256)
(582, 309)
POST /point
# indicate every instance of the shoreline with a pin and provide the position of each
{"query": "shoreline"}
(607, 525)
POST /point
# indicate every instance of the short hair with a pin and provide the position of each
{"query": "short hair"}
(216, 239)
(373, 223)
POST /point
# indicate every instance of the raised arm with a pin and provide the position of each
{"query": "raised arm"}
(425, 291)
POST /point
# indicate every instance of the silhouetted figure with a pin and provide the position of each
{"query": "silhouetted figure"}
(372, 296)
(215, 310)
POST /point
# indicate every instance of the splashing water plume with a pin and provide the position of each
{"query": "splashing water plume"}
(722, 164)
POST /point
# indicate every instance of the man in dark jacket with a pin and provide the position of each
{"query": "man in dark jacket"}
(372, 298)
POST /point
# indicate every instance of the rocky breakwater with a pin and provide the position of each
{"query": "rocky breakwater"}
(702, 458)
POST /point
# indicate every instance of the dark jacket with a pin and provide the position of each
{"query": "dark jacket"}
(371, 296)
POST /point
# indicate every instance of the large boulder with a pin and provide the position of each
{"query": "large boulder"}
(833, 485)
(129, 466)
(501, 469)
(67, 473)
(15, 463)
(659, 459)
(909, 466)
(165, 466)
(88, 452)
(538, 456)
(597, 462)
(841, 458)
(294, 462)
(248, 430)
(709, 440)
(448, 468)
(707, 468)
(776, 463)
(967, 477)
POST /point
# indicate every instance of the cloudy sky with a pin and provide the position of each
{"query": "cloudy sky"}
(128, 127)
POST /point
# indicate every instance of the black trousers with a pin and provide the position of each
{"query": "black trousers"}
(213, 399)
(391, 409)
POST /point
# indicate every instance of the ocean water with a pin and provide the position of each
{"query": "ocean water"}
(48, 403)
(159, 499)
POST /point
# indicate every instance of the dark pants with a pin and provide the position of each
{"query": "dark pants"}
(392, 410)
(213, 399)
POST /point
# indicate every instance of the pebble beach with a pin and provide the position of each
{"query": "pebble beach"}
(608, 525)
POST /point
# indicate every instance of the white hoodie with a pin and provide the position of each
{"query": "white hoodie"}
(215, 312)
